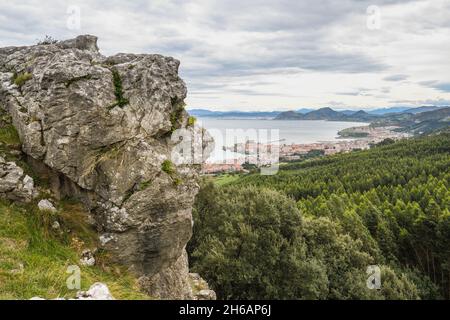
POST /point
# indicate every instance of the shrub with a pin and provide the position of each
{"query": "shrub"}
(47, 40)
(252, 243)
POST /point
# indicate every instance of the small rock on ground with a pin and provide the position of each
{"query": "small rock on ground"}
(46, 205)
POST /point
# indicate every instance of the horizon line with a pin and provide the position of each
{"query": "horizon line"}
(318, 108)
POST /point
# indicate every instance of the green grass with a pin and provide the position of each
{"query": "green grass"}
(191, 121)
(176, 115)
(224, 179)
(34, 257)
(20, 78)
(10, 146)
(9, 140)
(144, 185)
(168, 167)
(177, 181)
(121, 101)
(8, 135)
(26, 239)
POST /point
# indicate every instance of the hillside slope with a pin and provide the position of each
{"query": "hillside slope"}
(320, 223)
(34, 256)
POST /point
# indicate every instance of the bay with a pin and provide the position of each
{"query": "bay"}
(288, 132)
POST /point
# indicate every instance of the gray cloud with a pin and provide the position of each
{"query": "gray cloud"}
(220, 42)
(428, 102)
(365, 92)
(349, 93)
(283, 34)
(441, 86)
(336, 104)
(396, 77)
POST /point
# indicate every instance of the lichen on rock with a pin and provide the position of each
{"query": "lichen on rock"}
(101, 128)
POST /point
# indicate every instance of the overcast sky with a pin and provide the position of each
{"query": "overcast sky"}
(266, 55)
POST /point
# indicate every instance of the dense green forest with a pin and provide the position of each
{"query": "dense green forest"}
(310, 231)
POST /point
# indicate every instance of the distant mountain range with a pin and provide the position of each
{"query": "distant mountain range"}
(312, 114)
(418, 123)
(421, 120)
(233, 114)
(327, 114)
(384, 111)
(363, 116)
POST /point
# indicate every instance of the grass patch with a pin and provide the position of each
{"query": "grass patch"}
(144, 185)
(9, 135)
(168, 167)
(191, 121)
(224, 179)
(19, 79)
(121, 101)
(176, 115)
(177, 181)
(34, 258)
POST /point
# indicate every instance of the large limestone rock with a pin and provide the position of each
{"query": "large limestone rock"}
(101, 128)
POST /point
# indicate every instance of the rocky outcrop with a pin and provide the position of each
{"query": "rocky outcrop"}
(14, 183)
(87, 258)
(102, 129)
(200, 288)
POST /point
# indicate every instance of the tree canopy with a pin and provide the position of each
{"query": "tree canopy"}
(311, 231)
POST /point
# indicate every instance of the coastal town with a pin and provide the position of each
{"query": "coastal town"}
(260, 154)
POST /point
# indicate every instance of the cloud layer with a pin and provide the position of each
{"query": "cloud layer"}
(261, 54)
